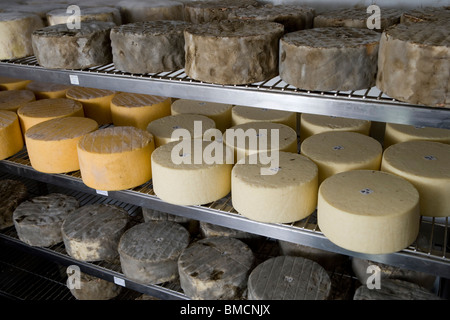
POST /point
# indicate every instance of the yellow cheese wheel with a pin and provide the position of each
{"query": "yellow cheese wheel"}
(38, 111)
(244, 114)
(11, 140)
(96, 102)
(115, 158)
(138, 110)
(426, 164)
(12, 100)
(46, 90)
(7, 83)
(52, 144)
(395, 133)
(368, 211)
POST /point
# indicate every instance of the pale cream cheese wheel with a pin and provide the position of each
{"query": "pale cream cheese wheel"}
(52, 144)
(12, 100)
(244, 114)
(395, 133)
(368, 211)
(426, 164)
(47, 90)
(11, 139)
(115, 158)
(335, 152)
(287, 194)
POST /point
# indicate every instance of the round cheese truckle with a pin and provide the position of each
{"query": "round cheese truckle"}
(93, 288)
(214, 10)
(395, 133)
(97, 13)
(7, 83)
(13, 193)
(47, 90)
(426, 14)
(394, 289)
(115, 158)
(11, 138)
(244, 114)
(137, 11)
(12, 100)
(368, 211)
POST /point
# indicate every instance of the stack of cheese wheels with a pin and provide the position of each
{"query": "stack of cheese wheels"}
(138, 110)
(426, 164)
(215, 268)
(12, 193)
(311, 124)
(219, 112)
(12, 100)
(46, 90)
(323, 59)
(335, 152)
(214, 10)
(253, 138)
(283, 193)
(136, 11)
(52, 144)
(242, 62)
(11, 139)
(394, 289)
(149, 251)
(192, 171)
(97, 13)
(181, 126)
(115, 158)
(42, 110)
(93, 288)
(425, 14)
(368, 211)
(38, 221)
(413, 63)
(288, 278)
(149, 46)
(92, 232)
(15, 30)
(395, 133)
(62, 47)
(7, 83)
(243, 114)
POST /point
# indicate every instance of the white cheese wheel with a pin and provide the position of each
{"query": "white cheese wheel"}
(215, 268)
(164, 129)
(7, 83)
(11, 139)
(38, 221)
(242, 62)
(52, 144)
(149, 251)
(191, 172)
(287, 194)
(12, 100)
(92, 232)
(15, 34)
(96, 102)
(395, 133)
(219, 112)
(115, 158)
(394, 289)
(12, 193)
(426, 164)
(138, 110)
(340, 151)
(244, 114)
(323, 59)
(368, 211)
(97, 13)
(214, 10)
(93, 288)
(288, 278)
(136, 11)
(46, 90)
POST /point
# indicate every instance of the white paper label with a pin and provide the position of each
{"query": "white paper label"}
(119, 281)
(101, 192)
(74, 79)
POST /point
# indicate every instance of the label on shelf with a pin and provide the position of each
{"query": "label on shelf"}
(119, 281)
(74, 79)
(101, 192)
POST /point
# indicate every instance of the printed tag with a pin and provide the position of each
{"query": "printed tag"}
(101, 192)
(74, 79)
(119, 281)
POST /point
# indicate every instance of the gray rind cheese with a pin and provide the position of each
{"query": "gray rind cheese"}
(426, 14)
(251, 53)
(93, 288)
(12, 194)
(38, 221)
(288, 278)
(394, 289)
(414, 63)
(214, 10)
(149, 46)
(107, 14)
(136, 11)
(149, 251)
(58, 46)
(323, 59)
(215, 269)
(152, 214)
(92, 232)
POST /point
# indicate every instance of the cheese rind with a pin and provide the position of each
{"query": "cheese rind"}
(12, 100)
(44, 90)
(137, 11)
(11, 139)
(208, 11)
(244, 114)
(394, 289)
(395, 133)
(13, 193)
(7, 83)
(93, 288)
(97, 13)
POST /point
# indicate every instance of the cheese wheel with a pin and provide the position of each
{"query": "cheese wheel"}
(395, 133)
(260, 137)
(15, 34)
(42, 110)
(214, 10)
(394, 289)
(38, 221)
(311, 124)
(96, 102)
(12, 100)
(288, 278)
(152, 214)
(52, 144)
(115, 158)
(215, 268)
(12, 193)
(164, 129)
(11, 139)
(149, 251)
(97, 13)
(286, 195)
(187, 173)
(368, 211)
(46, 90)
(324, 59)
(426, 164)
(7, 83)
(335, 152)
(92, 232)
(136, 11)
(219, 112)
(243, 114)
(93, 288)
(208, 230)
(138, 110)
(426, 14)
